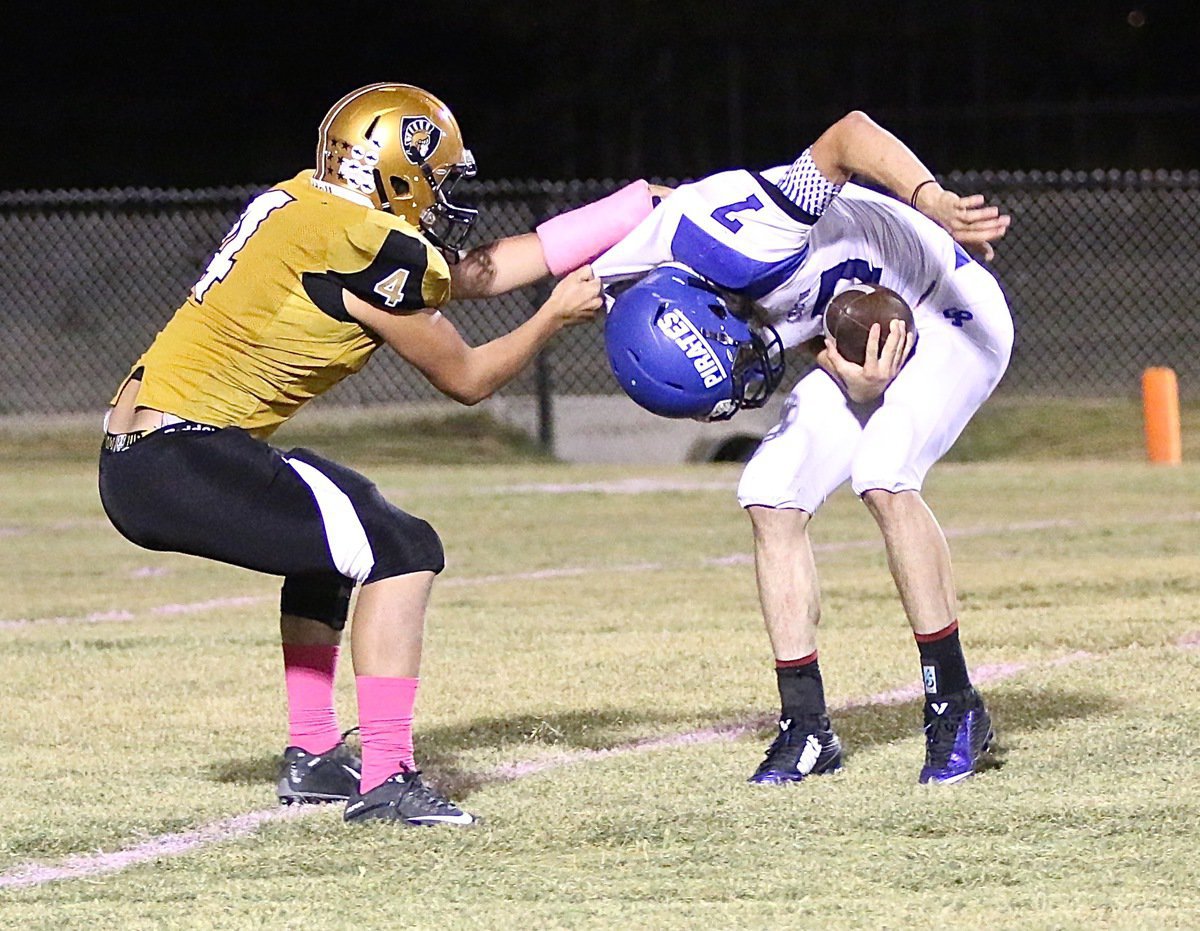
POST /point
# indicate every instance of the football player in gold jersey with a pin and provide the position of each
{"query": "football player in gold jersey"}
(318, 273)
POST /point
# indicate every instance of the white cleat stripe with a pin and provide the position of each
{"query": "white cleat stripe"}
(462, 818)
(953, 779)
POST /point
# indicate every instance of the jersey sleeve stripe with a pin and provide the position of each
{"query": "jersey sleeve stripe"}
(399, 252)
(780, 200)
(729, 268)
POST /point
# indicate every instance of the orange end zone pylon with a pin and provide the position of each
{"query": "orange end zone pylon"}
(1160, 405)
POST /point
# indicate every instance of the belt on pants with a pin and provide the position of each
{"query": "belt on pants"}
(119, 442)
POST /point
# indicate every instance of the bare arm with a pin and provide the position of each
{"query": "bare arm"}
(466, 373)
(856, 144)
(499, 267)
(516, 261)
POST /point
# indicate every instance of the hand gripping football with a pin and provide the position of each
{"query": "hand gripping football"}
(849, 315)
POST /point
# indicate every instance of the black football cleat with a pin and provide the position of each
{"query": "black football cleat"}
(805, 747)
(405, 799)
(317, 778)
(958, 731)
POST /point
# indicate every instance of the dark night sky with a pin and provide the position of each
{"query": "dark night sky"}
(195, 95)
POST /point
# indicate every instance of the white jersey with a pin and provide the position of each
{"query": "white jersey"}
(790, 253)
(737, 230)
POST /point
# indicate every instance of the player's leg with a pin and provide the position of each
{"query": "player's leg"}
(918, 556)
(226, 496)
(786, 573)
(923, 413)
(310, 657)
(313, 611)
(958, 726)
(395, 556)
(318, 765)
(799, 463)
(386, 639)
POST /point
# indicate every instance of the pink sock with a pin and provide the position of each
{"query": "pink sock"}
(308, 670)
(385, 719)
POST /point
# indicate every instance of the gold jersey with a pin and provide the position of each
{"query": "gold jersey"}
(265, 328)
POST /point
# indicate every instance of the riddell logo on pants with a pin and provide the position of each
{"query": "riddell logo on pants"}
(683, 333)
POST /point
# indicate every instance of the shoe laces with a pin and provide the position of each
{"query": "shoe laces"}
(417, 788)
(787, 742)
(941, 731)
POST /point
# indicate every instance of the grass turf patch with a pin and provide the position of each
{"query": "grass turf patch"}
(167, 721)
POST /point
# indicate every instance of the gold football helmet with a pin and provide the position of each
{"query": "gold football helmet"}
(399, 148)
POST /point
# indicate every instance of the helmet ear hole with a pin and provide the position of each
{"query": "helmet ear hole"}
(400, 186)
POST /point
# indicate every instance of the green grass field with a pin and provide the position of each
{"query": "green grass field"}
(597, 686)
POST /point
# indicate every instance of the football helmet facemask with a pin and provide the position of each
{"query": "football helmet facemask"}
(399, 148)
(679, 350)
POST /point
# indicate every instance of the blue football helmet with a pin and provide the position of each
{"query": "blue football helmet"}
(678, 349)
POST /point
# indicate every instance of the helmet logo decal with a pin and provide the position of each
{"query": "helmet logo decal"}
(419, 136)
(678, 328)
(358, 168)
(723, 409)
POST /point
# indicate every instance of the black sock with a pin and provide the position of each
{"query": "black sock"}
(943, 667)
(801, 692)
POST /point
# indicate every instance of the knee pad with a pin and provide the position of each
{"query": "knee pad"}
(324, 598)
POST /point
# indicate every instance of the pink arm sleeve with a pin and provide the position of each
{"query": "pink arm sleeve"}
(574, 238)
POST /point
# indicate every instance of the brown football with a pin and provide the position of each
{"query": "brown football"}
(848, 318)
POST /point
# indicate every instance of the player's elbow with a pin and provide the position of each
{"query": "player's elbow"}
(837, 153)
(471, 398)
(849, 133)
(465, 393)
(854, 121)
(466, 387)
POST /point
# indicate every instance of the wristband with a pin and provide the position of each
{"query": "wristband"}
(574, 238)
(912, 201)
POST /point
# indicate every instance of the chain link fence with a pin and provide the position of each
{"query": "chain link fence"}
(1102, 272)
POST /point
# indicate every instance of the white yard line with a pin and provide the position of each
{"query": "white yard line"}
(83, 865)
(562, 572)
(622, 486)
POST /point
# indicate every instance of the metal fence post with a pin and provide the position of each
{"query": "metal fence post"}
(545, 401)
(543, 374)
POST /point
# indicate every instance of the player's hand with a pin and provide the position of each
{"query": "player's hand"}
(968, 219)
(576, 298)
(868, 381)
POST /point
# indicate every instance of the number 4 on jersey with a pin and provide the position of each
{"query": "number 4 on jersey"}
(391, 288)
(235, 241)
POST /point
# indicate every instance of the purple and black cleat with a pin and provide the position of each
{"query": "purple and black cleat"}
(805, 747)
(958, 731)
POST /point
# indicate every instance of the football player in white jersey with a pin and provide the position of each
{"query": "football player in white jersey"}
(789, 239)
